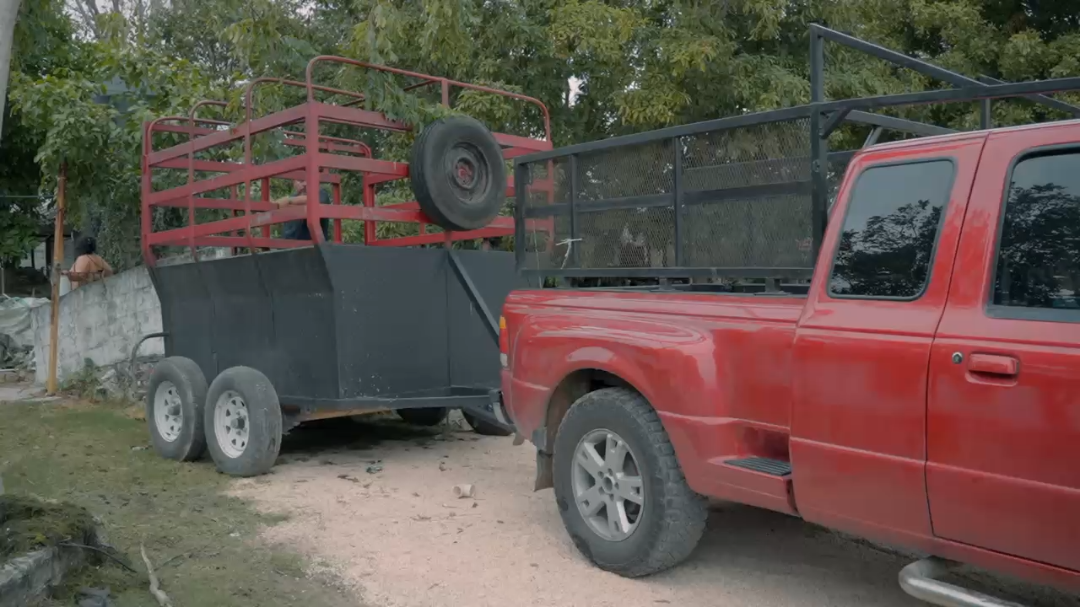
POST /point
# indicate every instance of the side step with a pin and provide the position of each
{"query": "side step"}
(917, 579)
(764, 465)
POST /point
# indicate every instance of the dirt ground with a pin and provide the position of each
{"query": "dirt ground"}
(374, 503)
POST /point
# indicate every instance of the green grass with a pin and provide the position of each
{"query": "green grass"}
(28, 523)
(82, 454)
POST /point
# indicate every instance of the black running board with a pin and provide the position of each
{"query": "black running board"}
(764, 465)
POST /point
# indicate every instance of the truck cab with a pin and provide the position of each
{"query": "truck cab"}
(942, 390)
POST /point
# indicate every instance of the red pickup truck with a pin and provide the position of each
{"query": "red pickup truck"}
(924, 390)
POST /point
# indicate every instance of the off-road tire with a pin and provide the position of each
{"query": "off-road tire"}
(264, 419)
(427, 416)
(673, 517)
(432, 170)
(190, 384)
(484, 427)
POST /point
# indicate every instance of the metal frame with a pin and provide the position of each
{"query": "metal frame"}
(824, 117)
(322, 160)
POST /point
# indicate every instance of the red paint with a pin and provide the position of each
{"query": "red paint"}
(888, 436)
(321, 159)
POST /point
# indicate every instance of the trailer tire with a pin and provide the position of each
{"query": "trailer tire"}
(670, 519)
(483, 427)
(458, 173)
(425, 416)
(174, 409)
(243, 422)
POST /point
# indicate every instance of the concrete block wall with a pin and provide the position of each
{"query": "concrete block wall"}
(100, 321)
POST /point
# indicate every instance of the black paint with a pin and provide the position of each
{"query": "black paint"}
(338, 326)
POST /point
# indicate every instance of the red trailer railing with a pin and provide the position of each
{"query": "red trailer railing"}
(324, 159)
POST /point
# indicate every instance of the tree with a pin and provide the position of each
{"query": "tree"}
(634, 64)
(99, 136)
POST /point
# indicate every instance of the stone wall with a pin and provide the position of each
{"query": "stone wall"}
(101, 322)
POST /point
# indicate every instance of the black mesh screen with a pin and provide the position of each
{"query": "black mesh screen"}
(745, 192)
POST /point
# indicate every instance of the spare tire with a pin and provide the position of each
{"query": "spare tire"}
(458, 173)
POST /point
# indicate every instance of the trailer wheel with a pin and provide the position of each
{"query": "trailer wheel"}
(243, 422)
(174, 409)
(483, 427)
(620, 491)
(458, 173)
(426, 416)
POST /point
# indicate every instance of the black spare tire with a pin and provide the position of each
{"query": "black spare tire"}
(458, 173)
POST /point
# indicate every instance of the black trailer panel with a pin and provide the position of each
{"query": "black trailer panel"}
(345, 327)
(391, 312)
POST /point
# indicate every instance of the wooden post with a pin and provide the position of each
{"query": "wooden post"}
(58, 259)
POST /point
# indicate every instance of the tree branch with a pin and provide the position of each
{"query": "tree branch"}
(155, 587)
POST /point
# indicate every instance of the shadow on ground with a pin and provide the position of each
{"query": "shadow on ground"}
(355, 435)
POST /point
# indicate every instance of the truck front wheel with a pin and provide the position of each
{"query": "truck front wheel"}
(620, 491)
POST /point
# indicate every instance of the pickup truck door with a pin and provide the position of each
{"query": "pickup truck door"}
(858, 449)
(1003, 417)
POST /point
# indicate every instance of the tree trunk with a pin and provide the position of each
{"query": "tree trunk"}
(9, 12)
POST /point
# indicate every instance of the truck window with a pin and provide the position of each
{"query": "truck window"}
(1038, 258)
(890, 230)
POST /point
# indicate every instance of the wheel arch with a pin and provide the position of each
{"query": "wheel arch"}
(568, 391)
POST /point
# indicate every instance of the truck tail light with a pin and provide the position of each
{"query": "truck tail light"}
(504, 345)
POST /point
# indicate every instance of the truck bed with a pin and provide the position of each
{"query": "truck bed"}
(576, 334)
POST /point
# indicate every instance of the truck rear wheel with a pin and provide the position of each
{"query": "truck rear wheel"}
(620, 491)
(174, 409)
(458, 173)
(426, 416)
(243, 422)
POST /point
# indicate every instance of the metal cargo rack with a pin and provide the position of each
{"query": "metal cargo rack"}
(743, 197)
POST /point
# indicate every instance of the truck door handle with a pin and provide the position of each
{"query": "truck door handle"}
(994, 364)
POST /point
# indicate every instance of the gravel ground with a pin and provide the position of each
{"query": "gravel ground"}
(372, 503)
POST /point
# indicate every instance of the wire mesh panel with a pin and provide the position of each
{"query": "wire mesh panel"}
(747, 197)
(727, 200)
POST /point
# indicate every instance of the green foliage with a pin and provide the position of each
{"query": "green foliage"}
(19, 221)
(602, 67)
(100, 140)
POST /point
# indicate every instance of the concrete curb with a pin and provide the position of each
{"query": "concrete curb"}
(28, 578)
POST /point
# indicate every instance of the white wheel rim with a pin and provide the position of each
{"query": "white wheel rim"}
(168, 411)
(231, 423)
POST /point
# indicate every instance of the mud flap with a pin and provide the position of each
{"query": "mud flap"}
(545, 472)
